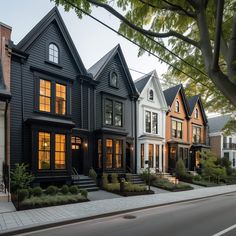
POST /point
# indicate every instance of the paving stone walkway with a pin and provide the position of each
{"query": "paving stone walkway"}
(15, 221)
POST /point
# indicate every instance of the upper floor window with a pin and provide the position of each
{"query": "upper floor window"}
(45, 95)
(177, 106)
(52, 97)
(150, 95)
(60, 99)
(151, 122)
(53, 53)
(177, 129)
(196, 113)
(196, 134)
(113, 113)
(114, 79)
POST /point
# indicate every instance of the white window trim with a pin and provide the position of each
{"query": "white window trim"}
(158, 122)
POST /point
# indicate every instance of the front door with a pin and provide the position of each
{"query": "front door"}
(77, 154)
(128, 157)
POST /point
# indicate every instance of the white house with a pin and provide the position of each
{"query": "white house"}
(221, 144)
(151, 114)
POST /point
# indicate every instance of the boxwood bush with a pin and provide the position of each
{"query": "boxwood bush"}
(74, 189)
(65, 189)
(51, 190)
(37, 191)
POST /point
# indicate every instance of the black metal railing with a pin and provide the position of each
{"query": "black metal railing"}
(231, 146)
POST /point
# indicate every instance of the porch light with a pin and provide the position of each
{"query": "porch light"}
(85, 144)
(132, 148)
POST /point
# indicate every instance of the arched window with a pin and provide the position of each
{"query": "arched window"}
(177, 106)
(151, 95)
(113, 79)
(53, 53)
(196, 113)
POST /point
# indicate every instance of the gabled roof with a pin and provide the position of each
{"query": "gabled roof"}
(141, 82)
(171, 93)
(4, 94)
(216, 124)
(192, 101)
(52, 16)
(98, 67)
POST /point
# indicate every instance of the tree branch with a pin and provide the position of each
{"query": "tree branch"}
(218, 31)
(171, 33)
(224, 48)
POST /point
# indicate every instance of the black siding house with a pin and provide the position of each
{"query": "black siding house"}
(52, 96)
(114, 115)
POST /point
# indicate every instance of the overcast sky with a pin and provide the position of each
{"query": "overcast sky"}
(91, 39)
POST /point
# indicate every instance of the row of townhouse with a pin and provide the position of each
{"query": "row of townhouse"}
(63, 119)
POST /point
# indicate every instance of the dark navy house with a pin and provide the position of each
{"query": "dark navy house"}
(65, 120)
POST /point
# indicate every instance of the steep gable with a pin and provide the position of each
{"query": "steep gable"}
(52, 18)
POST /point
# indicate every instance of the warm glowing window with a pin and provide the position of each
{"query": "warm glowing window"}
(150, 155)
(75, 143)
(142, 155)
(109, 150)
(119, 153)
(53, 53)
(43, 151)
(60, 99)
(157, 156)
(45, 95)
(60, 151)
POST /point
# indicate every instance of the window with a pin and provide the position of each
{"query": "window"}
(53, 53)
(196, 113)
(108, 112)
(75, 143)
(45, 95)
(44, 151)
(151, 155)
(154, 123)
(118, 114)
(60, 151)
(148, 121)
(196, 134)
(119, 153)
(114, 79)
(177, 129)
(113, 113)
(60, 99)
(177, 106)
(109, 151)
(99, 153)
(150, 95)
(142, 155)
(157, 156)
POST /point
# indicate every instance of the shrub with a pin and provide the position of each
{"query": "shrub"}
(104, 180)
(113, 187)
(20, 177)
(129, 178)
(22, 194)
(114, 178)
(37, 191)
(84, 193)
(65, 189)
(51, 190)
(134, 188)
(180, 168)
(144, 176)
(73, 189)
(93, 174)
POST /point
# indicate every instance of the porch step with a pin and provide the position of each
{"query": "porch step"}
(170, 178)
(135, 179)
(85, 182)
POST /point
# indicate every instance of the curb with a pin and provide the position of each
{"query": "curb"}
(71, 221)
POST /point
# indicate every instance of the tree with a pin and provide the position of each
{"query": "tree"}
(202, 32)
(180, 168)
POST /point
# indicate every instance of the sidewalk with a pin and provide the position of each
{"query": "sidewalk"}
(22, 220)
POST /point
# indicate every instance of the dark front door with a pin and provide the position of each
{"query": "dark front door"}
(128, 157)
(77, 154)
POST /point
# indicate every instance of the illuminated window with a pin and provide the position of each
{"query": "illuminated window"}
(60, 151)
(177, 106)
(43, 151)
(142, 155)
(53, 53)
(75, 143)
(109, 151)
(119, 153)
(157, 156)
(150, 155)
(60, 99)
(45, 95)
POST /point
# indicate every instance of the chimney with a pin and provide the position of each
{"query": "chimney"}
(5, 52)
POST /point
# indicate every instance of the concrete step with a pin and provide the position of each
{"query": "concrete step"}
(85, 182)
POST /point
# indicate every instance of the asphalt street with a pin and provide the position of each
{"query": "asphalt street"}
(214, 216)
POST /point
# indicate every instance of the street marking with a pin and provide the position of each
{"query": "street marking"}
(225, 230)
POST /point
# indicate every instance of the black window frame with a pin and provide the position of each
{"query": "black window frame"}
(110, 79)
(196, 134)
(175, 133)
(148, 124)
(58, 53)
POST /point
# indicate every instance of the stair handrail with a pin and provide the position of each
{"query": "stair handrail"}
(129, 169)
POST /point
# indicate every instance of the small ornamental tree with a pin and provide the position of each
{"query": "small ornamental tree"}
(180, 168)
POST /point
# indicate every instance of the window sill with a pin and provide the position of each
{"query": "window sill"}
(53, 64)
(53, 114)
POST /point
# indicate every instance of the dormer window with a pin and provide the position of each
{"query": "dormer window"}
(196, 113)
(53, 53)
(177, 106)
(150, 95)
(113, 79)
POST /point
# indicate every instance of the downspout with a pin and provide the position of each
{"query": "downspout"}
(135, 134)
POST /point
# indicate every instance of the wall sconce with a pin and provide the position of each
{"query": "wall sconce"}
(132, 148)
(85, 144)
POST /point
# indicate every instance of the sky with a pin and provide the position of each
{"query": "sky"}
(91, 39)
